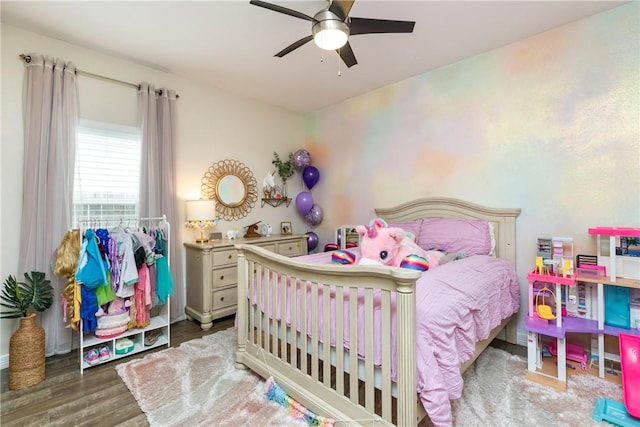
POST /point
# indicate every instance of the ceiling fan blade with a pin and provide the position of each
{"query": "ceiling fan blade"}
(281, 9)
(293, 46)
(371, 26)
(341, 8)
(346, 53)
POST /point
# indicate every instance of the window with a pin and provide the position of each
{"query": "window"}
(107, 172)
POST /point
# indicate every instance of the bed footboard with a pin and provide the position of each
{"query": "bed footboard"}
(326, 334)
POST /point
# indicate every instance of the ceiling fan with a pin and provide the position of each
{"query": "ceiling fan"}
(331, 28)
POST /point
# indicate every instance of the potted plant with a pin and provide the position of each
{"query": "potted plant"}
(285, 169)
(26, 347)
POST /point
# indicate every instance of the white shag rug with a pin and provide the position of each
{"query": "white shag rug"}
(496, 393)
(197, 384)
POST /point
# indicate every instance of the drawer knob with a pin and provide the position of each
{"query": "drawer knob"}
(221, 277)
(221, 298)
(230, 256)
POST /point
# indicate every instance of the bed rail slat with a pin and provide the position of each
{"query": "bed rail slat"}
(340, 340)
(385, 310)
(273, 312)
(314, 331)
(326, 335)
(260, 279)
(303, 327)
(353, 340)
(369, 380)
(252, 284)
(293, 291)
(283, 318)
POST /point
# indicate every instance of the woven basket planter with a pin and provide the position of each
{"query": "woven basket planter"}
(26, 354)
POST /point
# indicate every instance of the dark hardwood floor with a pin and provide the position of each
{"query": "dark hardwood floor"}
(99, 397)
(96, 398)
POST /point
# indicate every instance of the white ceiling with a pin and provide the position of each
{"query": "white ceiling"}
(230, 44)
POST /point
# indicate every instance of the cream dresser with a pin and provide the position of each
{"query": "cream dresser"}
(212, 273)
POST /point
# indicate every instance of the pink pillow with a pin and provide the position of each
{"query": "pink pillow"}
(471, 236)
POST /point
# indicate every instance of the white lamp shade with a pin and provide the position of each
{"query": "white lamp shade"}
(201, 210)
(329, 31)
(330, 39)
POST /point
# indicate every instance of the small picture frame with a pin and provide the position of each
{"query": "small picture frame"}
(285, 228)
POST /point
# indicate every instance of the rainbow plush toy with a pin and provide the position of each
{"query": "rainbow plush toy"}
(343, 257)
(297, 411)
(414, 262)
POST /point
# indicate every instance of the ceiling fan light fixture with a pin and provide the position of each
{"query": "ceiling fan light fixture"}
(329, 31)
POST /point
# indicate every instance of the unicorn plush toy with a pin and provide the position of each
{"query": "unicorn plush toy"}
(393, 247)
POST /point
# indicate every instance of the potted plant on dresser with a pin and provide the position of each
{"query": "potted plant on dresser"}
(26, 348)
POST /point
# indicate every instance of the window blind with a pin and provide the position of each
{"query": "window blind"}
(107, 171)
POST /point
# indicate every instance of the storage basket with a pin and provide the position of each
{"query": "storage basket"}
(26, 354)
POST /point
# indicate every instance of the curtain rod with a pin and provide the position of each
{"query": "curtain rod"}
(27, 59)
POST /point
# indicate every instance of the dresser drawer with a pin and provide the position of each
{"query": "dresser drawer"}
(227, 256)
(290, 248)
(269, 246)
(224, 298)
(225, 276)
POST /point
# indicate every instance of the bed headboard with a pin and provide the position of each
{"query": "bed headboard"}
(503, 220)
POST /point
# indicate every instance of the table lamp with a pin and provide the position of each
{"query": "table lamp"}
(201, 214)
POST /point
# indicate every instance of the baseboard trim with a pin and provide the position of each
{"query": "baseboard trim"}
(4, 361)
(521, 338)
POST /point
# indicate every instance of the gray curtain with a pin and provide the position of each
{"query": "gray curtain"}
(50, 118)
(157, 115)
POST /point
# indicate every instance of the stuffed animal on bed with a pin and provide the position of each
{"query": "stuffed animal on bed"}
(393, 247)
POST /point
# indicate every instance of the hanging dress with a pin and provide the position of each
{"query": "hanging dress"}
(128, 271)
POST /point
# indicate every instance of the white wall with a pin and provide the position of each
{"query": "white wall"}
(213, 125)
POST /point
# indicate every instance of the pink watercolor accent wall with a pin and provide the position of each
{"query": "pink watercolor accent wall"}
(550, 124)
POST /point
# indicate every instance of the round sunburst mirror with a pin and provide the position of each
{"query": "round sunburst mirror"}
(232, 184)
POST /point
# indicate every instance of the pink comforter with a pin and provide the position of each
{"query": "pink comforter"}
(457, 305)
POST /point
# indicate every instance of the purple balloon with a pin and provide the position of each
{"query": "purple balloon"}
(311, 176)
(304, 202)
(312, 240)
(314, 216)
(301, 159)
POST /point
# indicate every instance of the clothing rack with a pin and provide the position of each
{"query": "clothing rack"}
(86, 223)
(157, 333)
(95, 222)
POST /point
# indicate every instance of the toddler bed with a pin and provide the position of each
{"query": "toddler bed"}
(412, 333)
